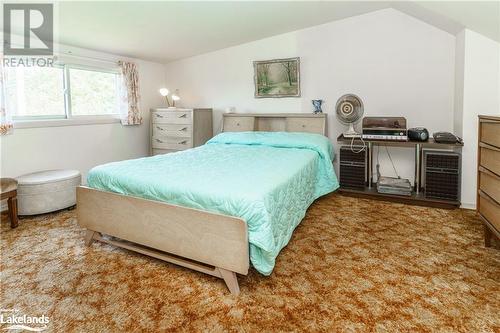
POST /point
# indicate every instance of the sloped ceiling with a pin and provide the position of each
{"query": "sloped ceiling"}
(454, 16)
(165, 31)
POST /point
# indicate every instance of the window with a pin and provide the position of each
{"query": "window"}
(92, 92)
(62, 92)
(36, 92)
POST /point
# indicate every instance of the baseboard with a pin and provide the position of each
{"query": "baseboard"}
(468, 206)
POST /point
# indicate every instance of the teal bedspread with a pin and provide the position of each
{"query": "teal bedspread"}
(267, 178)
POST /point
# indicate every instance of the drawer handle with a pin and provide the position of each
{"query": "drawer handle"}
(183, 142)
(303, 126)
(184, 115)
(158, 127)
(158, 140)
(159, 115)
(183, 129)
(237, 124)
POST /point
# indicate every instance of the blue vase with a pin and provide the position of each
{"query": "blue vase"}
(317, 105)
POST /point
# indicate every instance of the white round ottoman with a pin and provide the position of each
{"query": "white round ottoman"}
(47, 191)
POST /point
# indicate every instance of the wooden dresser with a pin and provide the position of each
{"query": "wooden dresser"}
(174, 129)
(488, 193)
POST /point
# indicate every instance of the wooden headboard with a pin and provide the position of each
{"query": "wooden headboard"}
(275, 122)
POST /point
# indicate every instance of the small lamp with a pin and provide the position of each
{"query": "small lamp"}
(164, 92)
(175, 97)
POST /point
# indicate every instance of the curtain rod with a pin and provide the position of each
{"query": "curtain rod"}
(87, 57)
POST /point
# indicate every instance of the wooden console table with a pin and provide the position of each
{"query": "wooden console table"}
(417, 197)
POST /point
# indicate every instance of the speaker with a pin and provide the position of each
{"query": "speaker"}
(442, 174)
(418, 134)
(353, 171)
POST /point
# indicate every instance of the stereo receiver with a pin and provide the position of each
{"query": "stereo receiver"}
(385, 128)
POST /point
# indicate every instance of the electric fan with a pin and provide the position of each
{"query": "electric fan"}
(349, 110)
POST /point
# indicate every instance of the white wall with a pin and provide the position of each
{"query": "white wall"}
(459, 84)
(85, 146)
(397, 64)
(477, 94)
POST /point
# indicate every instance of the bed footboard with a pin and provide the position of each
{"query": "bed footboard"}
(211, 243)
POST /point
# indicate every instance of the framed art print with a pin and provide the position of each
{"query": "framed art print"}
(277, 78)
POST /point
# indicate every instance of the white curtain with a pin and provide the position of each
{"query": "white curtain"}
(129, 94)
(6, 124)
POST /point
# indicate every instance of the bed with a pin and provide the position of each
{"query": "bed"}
(214, 208)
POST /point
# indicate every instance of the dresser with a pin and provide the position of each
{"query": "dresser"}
(174, 129)
(488, 182)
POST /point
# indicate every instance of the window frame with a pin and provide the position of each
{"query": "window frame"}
(69, 118)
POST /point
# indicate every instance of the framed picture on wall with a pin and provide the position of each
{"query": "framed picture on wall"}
(277, 78)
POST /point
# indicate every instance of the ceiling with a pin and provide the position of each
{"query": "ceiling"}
(453, 16)
(166, 31)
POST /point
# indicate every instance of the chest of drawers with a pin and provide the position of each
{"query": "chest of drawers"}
(174, 129)
(488, 183)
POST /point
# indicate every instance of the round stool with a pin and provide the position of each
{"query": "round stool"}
(47, 191)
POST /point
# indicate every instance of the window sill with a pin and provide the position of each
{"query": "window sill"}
(65, 122)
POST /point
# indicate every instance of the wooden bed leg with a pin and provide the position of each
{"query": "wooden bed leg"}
(231, 281)
(89, 236)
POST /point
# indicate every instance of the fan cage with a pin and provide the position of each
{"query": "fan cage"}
(357, 112)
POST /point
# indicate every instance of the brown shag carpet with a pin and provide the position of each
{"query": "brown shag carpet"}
(352, 265)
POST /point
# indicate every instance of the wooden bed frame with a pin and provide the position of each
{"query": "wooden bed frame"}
(207, 242)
